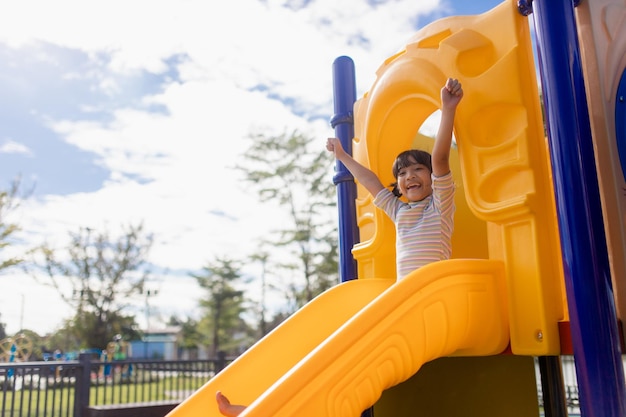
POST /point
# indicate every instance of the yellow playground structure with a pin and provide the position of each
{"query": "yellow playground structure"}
(533, 242)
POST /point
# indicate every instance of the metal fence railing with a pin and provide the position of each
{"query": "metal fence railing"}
(69, 388)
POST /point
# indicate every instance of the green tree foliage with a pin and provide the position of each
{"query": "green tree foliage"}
(66, 338)
(285, 171)
(223, 307)
(190, 336)
(97, 276)
(9, 202)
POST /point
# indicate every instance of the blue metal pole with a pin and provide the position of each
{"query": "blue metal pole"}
(344, 91)
(593, 319)
(620, 122)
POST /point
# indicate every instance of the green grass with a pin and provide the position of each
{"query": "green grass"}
(59, 401)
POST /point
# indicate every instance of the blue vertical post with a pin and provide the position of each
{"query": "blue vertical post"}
(620, 122)
(593, 319)
(344, 91)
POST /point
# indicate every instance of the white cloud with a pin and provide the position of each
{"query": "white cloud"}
(11, 147)
(243, 66)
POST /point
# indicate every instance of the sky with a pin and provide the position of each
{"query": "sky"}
(115, 113)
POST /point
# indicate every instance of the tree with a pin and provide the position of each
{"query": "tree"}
(285, 171)
(9, 202)
(190, 336)
(223, 307)
(97, 277)
(65, 338)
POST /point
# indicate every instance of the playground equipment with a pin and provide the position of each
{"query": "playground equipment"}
(117, 350)
(539, 241)
(16, 349)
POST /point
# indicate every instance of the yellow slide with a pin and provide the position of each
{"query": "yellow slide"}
(336, 355)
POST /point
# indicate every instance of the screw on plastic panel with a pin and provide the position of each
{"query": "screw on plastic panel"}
(539, 335)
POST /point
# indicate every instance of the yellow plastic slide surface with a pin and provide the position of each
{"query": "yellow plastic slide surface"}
(336, 355)
(259, 367)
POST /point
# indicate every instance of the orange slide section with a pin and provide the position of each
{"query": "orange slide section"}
(336, 355)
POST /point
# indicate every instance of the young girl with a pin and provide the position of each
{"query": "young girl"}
(424, 224)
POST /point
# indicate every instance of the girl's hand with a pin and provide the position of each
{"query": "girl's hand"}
(334, 145)
(451, 93)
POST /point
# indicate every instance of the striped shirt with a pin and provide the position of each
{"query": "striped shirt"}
(423, 228)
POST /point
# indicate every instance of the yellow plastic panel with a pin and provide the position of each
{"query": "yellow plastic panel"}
(245, 379)
(503, 154)
(603, 45)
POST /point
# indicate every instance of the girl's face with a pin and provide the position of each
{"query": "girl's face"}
(415, 182)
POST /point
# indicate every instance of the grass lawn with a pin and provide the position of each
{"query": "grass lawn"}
(58, 401)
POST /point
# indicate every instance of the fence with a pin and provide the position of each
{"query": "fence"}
(72, 388)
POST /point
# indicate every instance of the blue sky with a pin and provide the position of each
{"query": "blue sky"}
(134, 111)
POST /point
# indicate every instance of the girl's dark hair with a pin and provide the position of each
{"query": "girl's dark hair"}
(407, 158)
